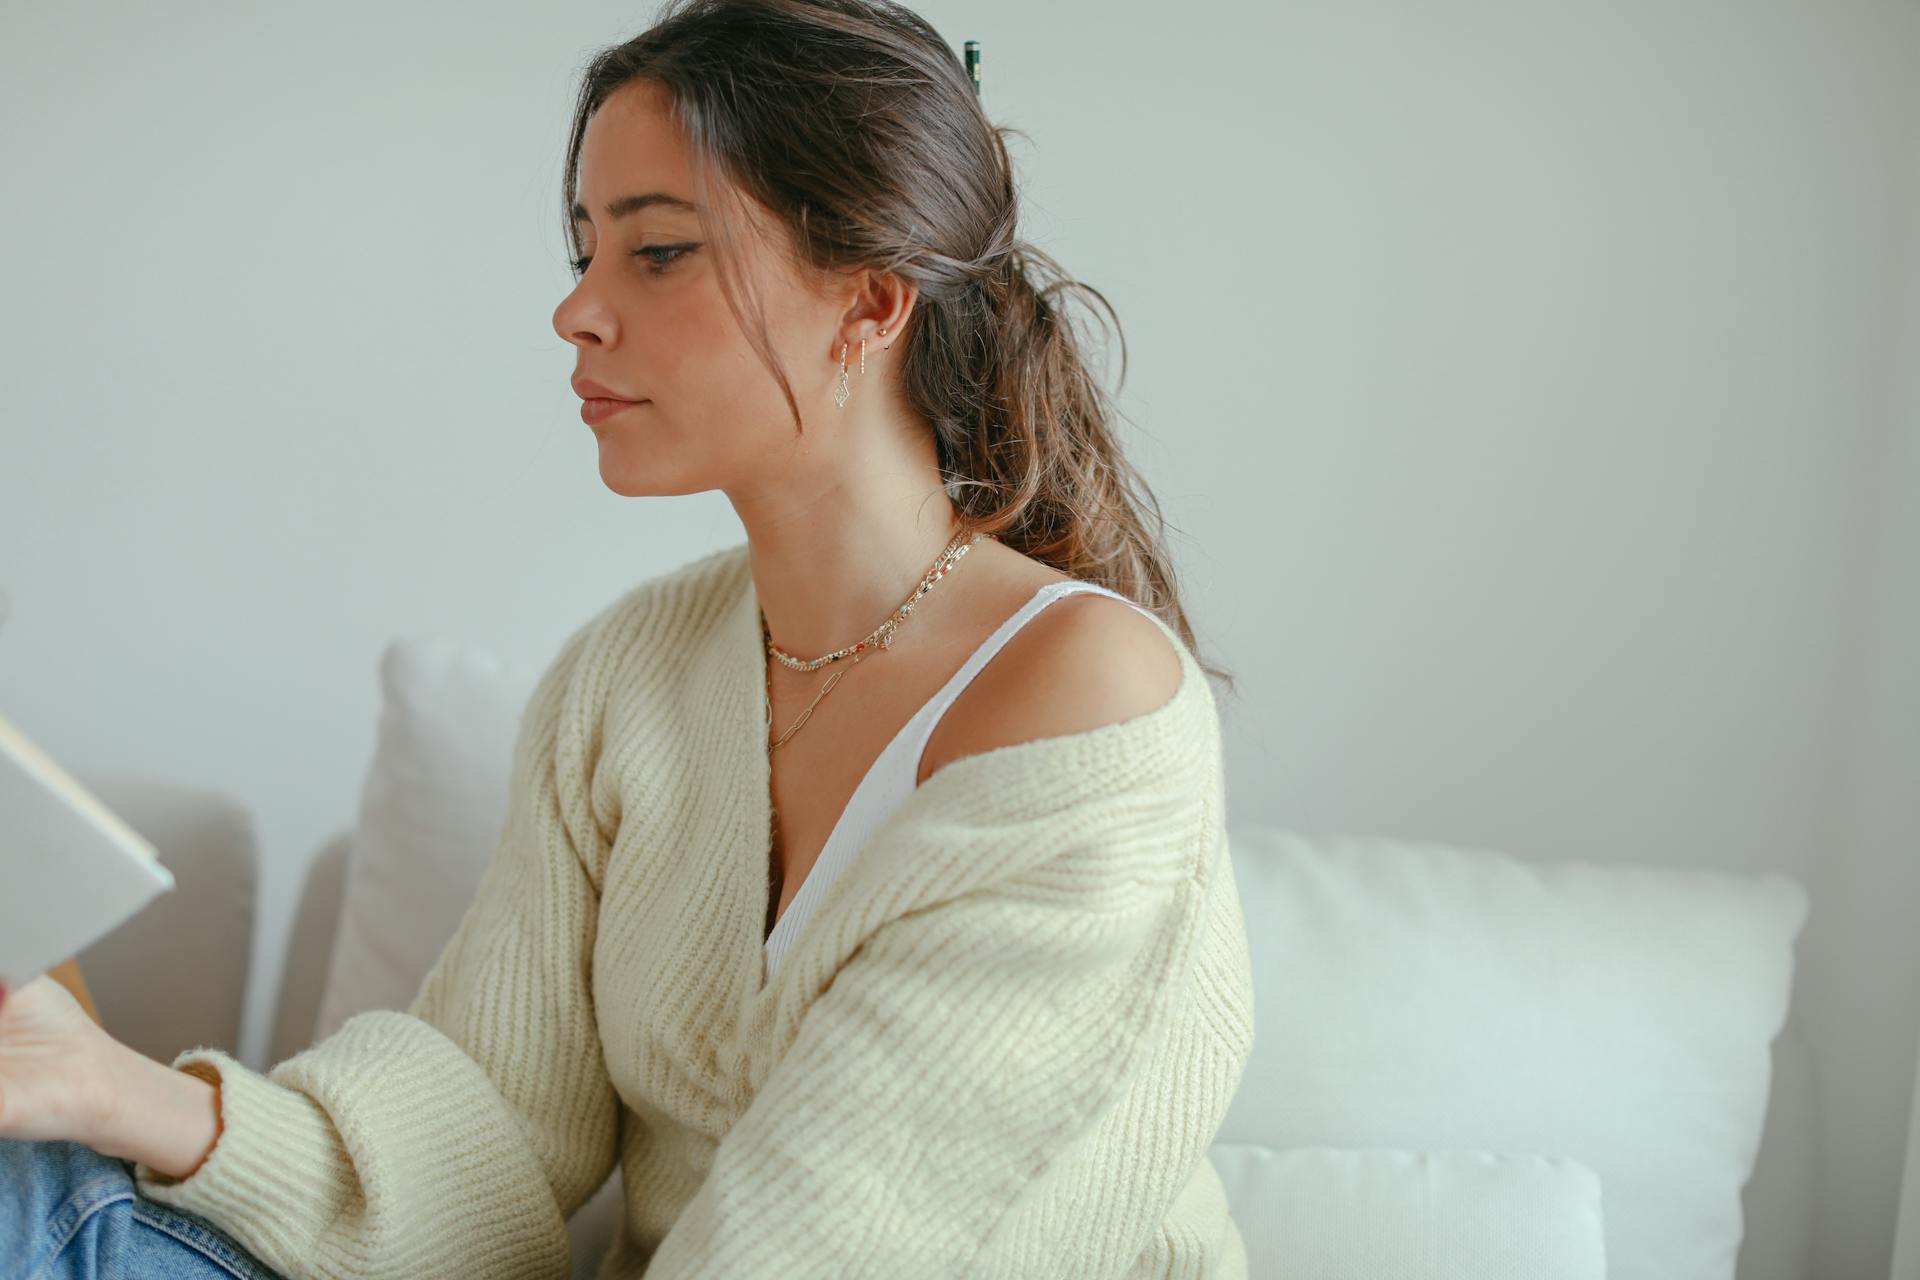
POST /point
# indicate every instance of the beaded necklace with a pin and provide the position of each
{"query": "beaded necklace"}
(881, 637)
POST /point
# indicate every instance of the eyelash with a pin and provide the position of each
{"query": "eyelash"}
(656, 265)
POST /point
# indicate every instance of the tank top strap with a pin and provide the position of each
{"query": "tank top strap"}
(921, 728)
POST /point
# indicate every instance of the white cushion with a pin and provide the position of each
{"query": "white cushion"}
(431, 808)
(1425, 997)
(1323, 1213)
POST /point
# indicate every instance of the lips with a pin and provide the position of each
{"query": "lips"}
(596, 409)
(588, 389)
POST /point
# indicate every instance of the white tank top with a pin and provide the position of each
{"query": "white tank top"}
(894, 772)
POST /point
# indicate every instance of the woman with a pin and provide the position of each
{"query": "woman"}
(939, 974)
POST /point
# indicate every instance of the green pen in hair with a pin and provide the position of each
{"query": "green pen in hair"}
(972, 48)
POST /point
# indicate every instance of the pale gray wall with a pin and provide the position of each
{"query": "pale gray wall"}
(1861, 983)
(1524, 383)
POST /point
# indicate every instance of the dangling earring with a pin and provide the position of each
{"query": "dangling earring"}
(843, 391)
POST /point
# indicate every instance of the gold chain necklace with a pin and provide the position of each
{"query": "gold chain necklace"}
(881, 637)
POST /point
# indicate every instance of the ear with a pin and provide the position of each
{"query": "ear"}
(879, 310)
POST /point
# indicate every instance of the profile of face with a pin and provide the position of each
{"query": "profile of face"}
(650, 323)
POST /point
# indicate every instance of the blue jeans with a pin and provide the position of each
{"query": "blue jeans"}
(69, 1213)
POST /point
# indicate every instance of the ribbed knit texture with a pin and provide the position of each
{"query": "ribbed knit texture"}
(1000, 1048)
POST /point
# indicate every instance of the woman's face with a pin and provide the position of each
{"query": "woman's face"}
(650, 324)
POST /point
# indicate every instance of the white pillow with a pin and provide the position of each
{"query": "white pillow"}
(1322, 1213)
(1425, 997)
(431, 809)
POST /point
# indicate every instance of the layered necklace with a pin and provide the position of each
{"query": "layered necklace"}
(881, 637)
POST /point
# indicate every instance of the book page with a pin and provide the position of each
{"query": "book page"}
(71, 870)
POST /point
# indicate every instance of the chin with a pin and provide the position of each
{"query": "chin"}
(627, 485)
(637, 481)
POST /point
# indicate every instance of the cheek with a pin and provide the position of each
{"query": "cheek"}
(704, 364)
(725, 371)
(699, 341)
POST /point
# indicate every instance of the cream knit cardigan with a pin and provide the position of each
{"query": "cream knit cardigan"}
(1001, 1047)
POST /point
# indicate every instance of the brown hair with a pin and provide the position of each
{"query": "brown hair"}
(853, 122)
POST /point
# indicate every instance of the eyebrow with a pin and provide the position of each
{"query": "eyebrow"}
(626, 206)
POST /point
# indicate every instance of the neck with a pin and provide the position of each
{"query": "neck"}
(835, 549)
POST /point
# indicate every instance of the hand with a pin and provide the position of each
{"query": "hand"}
(56, 1078)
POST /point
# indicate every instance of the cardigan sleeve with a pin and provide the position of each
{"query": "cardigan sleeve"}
(959, 1051)
(456, 1137)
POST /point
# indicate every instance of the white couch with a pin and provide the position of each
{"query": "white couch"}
(1466, 1064)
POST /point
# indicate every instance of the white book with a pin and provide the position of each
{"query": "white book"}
(71, 870)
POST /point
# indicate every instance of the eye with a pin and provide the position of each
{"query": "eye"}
(659, 257)
(673, 252)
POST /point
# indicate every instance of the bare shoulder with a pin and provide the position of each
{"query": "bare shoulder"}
(1083, 662)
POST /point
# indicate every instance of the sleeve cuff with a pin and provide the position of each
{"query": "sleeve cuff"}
(262, 1174)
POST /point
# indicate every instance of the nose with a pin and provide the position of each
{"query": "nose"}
(581, 320)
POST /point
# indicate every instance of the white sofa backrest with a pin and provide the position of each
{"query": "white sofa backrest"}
(1418, 995)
